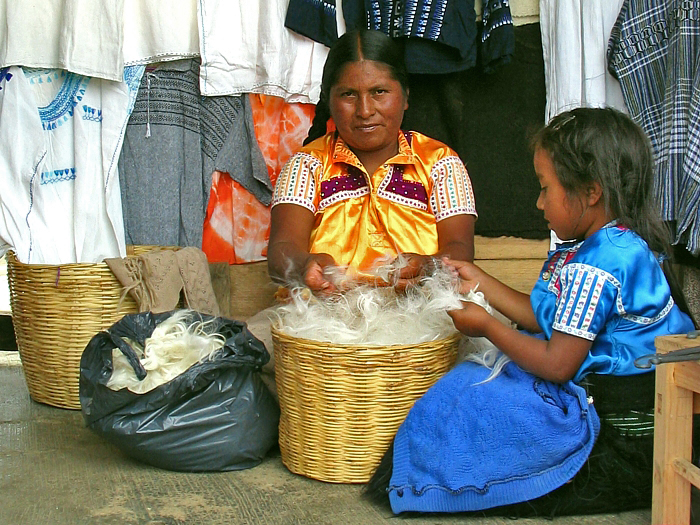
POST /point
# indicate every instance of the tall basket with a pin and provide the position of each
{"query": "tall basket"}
(342, 404)
(56, 309)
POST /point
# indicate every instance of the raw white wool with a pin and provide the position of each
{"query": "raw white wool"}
(481, 350)
(377, 315)
(174, 346)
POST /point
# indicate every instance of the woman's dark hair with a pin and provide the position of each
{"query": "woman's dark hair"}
(606, 146)
(362, 44)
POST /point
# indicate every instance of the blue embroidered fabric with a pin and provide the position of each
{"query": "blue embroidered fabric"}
(68, 96)
(497, 35)
(439, 36)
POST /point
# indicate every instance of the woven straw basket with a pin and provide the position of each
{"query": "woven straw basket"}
(342, 404)
(56, 309)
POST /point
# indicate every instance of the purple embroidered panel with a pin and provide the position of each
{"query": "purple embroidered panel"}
(404, 189)
(354, 180)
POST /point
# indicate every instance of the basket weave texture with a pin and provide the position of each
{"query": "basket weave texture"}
(56, 309)
(341, 405)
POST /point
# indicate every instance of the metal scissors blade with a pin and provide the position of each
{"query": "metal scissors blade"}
(684, 354)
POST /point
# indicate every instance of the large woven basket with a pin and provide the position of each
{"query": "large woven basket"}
(342, 404)
(56, 309)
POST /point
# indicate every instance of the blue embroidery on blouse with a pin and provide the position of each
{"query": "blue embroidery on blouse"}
(53, 176)
(374, 21)
(495, 14)
(4, 75)
(437, 20)
(411, 18)
(132, 76)
(397, 22)
(379, 16)
(61, 107)
(39, 75)
(329, 8)
(31, 205)
(93, 114)
(423, 20)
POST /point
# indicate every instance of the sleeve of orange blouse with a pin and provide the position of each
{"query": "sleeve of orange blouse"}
(452, 189)
(296, 183)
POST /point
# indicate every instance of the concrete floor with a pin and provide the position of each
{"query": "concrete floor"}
(55, 471)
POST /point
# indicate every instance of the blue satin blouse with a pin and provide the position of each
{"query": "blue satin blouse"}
(611, 290)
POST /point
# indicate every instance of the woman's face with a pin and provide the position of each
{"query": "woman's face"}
(367, 106)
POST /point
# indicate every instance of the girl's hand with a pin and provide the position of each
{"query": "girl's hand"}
(470, 274)
(471, 320)
(314, 273)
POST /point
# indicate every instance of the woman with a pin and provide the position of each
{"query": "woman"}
(367, 192)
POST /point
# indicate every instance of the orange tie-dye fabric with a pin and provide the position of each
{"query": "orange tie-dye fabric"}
(237, 225)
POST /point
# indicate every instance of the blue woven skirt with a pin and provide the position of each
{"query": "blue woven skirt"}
(466, 446)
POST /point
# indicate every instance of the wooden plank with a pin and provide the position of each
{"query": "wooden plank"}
(510, 248)
(686, 469)
(687, 375)
(516, 262)
(667, 343)
(520, 274)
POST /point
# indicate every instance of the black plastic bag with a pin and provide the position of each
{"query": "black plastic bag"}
(217, 415)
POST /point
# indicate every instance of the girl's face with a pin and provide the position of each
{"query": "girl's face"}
(564, 214)
(367, 106)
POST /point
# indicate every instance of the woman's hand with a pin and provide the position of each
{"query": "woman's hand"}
(315, 275)
(410, 267)
(472, 320)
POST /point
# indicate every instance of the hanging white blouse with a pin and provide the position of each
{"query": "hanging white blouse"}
(245, 48)
(160, 30)
(60, 137)
(82, 36)
(575, 36)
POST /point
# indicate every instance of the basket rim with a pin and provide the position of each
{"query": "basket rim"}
(12, 258)
(276, 332)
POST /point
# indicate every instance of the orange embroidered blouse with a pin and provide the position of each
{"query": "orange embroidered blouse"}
(363, 219)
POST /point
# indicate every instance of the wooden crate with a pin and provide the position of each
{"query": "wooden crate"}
(677, 399)
(514, 261)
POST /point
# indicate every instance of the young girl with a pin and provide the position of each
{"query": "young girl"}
(598, 304)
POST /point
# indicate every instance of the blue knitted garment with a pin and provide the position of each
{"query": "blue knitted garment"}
(467, 447)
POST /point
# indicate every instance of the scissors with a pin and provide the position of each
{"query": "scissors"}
(684, 354)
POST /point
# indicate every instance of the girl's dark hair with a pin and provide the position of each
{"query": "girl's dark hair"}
(362, 44)
(606, 146)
